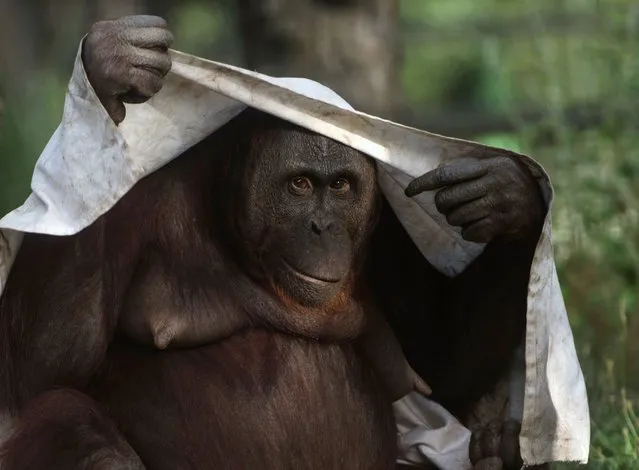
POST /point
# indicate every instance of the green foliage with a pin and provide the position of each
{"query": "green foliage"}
(199, 25)
(206, 29)
(28, 122)
(596, 236)
(595, 172)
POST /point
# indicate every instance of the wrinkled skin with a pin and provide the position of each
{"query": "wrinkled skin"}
(489, 197)
(126, 60)
(311, 236)
(496, 446)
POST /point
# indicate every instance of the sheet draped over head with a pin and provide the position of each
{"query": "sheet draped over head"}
(90, 163)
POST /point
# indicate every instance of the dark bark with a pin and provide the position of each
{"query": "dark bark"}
(112, 9)
(348, 45)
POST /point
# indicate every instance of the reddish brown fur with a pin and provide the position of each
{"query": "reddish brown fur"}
(459, 334)
(65, 429)
(256, 398)
(345, 304)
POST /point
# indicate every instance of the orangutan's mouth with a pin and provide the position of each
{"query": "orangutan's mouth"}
(307, 277)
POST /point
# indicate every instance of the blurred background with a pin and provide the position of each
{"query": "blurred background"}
(555, 79)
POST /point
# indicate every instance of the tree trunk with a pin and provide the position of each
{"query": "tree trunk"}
(19, 41)
(347, 45)
(112, 9)
(162, 8)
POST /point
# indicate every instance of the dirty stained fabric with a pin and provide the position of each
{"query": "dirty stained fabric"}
(90, 163)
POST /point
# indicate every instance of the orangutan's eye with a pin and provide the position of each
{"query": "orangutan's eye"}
(300, 185)
(340, 186)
